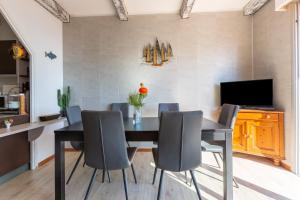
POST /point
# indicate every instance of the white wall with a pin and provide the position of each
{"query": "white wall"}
(273, 58)
(39, 31)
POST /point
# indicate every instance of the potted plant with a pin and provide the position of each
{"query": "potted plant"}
(63, 100)
(136, 100)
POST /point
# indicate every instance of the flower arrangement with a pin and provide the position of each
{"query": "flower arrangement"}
(136, 99)
(8, 122)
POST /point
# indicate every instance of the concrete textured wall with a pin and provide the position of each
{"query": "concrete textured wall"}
(103, 59)
(273, 40)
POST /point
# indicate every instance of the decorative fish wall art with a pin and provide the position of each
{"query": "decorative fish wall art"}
(50, 55)
(157, 54)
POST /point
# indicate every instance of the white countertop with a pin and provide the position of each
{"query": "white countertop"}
(25, 127)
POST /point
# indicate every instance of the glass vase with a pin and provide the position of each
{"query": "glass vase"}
(137, 115)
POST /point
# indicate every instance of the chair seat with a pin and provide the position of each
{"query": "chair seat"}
(210, 147)
(131, 151)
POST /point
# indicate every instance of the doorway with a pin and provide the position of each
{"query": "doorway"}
(15, 76)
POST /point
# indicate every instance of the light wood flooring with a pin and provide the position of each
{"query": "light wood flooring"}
(257, 177)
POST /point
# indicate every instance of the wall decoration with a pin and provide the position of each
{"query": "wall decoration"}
(157, 54)
(18, 51)
(50, 55)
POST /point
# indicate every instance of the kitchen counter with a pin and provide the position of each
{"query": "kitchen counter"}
(26, 127)
(18, 146)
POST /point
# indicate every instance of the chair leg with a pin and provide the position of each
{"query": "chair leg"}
(128, 144)
(186, 181)
(220, 156)
(154, 176)
(90, 184)
(217, 159)
(160, 184)
(103, 175)
(75, 166)
(133, 172)
(196, 185)
(125, 183)
(108, 175)
(235, 182)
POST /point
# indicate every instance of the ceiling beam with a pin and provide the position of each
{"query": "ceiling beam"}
(186, 8)
(121, 9)
(253, 6)
(55, 9)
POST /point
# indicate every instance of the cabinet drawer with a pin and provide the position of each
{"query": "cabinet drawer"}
(258, 116)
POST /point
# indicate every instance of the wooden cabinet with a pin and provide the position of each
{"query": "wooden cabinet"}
(260, 133)
(239, 136)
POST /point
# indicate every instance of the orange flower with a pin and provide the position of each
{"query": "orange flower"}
(143, 90)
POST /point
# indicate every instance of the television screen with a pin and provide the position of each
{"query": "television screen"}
(256, 93)
(7, 63)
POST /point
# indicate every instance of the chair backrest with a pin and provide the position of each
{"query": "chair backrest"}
(123, 107)
(73, 114)
(228, 115)
(165, 107)
(179, 140)
(104, 140)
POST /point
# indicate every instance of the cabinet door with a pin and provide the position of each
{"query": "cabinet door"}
(239, 139)
(263, 137)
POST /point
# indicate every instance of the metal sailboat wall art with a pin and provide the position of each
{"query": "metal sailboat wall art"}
(158, 54)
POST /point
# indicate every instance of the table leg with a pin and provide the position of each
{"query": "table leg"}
(227, 167)
(59, 169)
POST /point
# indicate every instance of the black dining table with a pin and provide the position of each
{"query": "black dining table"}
(145, 131)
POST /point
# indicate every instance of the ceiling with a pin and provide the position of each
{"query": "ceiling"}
(142, 7)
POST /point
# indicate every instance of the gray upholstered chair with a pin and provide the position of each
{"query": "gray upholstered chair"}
(178, 144)
(123, 107)
(227, 118)
(163, 107)
(74, 116)
(104, 144)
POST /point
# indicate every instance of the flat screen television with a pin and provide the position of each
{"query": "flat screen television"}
(248, 94)
(7, 62)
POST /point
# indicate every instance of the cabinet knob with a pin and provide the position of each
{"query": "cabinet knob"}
(268, 116)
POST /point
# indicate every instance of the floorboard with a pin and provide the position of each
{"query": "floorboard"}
(257, 177)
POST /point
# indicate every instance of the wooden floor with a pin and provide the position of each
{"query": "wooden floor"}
(258, 179)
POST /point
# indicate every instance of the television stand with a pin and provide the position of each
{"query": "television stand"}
(260, 133)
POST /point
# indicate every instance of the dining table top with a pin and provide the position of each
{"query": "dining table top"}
(147, 124)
